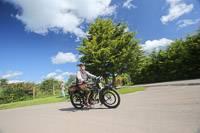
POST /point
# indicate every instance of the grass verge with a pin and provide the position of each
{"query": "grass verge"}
(130, 89)
(34, 102)
(60, 99)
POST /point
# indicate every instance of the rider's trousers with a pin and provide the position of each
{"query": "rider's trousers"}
(85, 89)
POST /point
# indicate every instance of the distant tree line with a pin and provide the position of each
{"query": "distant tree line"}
(24, 90)
(180, 60)
(15, 92)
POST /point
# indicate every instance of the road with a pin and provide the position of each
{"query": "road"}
(158, 109)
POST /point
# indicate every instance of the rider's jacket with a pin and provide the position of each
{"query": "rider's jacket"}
(83, 76)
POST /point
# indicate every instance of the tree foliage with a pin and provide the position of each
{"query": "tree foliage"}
(109, 49)
(16, 92)
(71, 80)
(181, 60)
(3, 82)
(124, 79)
(24, 91)
(46, 87)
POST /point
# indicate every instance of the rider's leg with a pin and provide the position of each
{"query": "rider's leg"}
(87, 95)
(87, 90)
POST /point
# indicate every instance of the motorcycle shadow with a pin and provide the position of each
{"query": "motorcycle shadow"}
(72, 109)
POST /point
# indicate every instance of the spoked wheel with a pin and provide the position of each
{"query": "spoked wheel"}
(76, 101)
(111, 98)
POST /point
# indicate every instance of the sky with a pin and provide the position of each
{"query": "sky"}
(38, 38)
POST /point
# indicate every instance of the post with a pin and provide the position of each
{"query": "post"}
(34, 93)
(53, 89)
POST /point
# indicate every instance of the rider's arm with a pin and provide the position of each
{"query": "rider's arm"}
(78, 75)
(90, 75)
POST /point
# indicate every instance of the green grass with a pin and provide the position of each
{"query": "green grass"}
(130, 90)
(60, 99)
(34, 102)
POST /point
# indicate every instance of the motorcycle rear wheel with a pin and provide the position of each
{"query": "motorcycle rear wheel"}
(77, 101)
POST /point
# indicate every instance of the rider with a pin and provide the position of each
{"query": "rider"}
(81, 80)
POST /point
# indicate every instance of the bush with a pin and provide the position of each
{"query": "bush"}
(16, 92)
(45, 88)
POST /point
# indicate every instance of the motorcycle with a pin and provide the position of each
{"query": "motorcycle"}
(107, 95)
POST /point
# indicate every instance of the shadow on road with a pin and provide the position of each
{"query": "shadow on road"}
(72, 109)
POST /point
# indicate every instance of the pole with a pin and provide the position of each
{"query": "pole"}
(53, 90)
(34, 93)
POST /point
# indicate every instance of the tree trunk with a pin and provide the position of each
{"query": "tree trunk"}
(113, 78)
(106, 80)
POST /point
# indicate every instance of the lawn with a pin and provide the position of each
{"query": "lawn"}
(130, 89)
(60, 99)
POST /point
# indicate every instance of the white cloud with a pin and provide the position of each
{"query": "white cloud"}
(41, 16)
(50, 75)
(156, 44)
(78, 39)
(177, 9)
(60, 77)
(62, 58)
(67, 73)
(186, 22)
(11, 74)
(128, 4)
(14, 81)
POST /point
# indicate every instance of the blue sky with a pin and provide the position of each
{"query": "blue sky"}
(38, 39)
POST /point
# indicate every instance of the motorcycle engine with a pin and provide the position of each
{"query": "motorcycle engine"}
(92, 101)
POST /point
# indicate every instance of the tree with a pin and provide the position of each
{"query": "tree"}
(109, 49)
(71, 80)
(124, 79)
(3, 82)
(47, 86)
(179, 61)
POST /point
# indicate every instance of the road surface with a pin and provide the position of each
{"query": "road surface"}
(159, 109)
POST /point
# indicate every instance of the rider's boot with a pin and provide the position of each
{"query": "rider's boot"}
(88, 105)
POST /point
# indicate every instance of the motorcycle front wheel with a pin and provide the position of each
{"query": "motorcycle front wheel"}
(110, 98)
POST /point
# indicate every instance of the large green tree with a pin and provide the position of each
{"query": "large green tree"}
(109, 49)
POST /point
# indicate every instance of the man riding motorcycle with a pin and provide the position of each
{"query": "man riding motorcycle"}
(81, 81)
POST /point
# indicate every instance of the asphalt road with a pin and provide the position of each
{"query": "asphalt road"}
(160, 109)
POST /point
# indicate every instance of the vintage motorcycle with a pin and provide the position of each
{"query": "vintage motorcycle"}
(107, 95)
